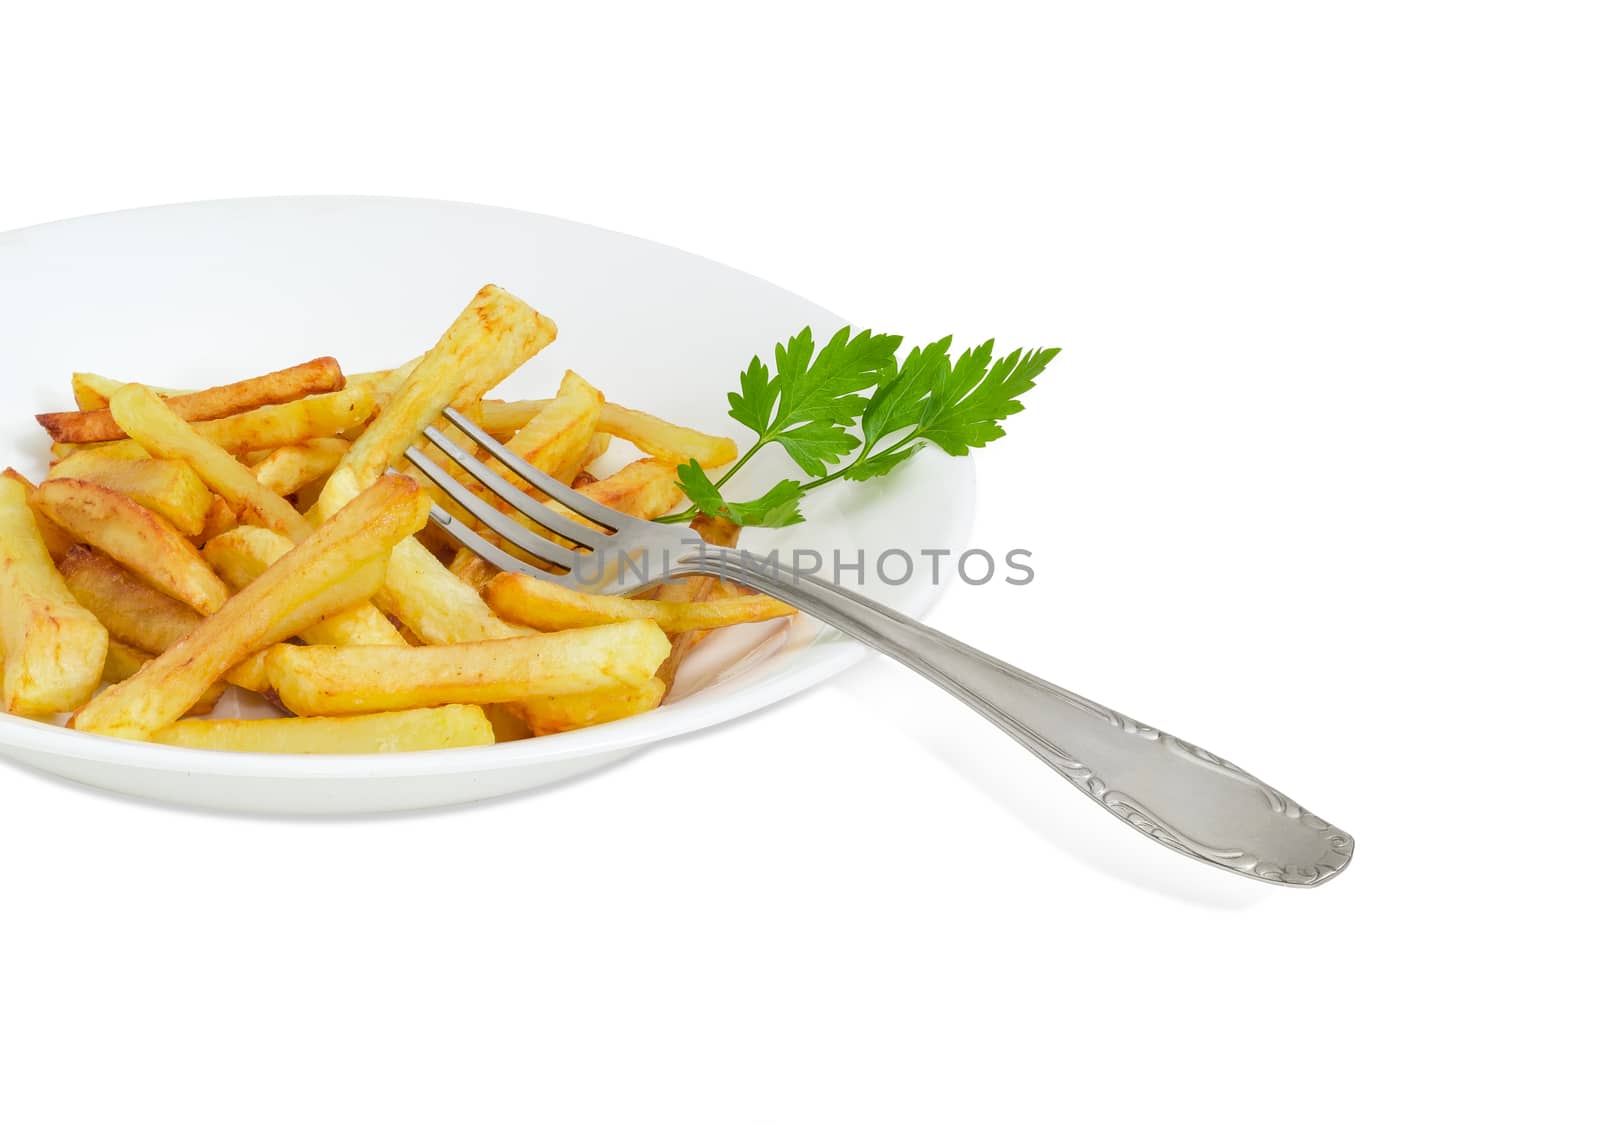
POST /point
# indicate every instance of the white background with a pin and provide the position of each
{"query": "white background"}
(1312, 484)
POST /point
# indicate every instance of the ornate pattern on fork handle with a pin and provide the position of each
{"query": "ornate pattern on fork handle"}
(1339, 845)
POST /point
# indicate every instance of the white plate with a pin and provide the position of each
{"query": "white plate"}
(198, 293)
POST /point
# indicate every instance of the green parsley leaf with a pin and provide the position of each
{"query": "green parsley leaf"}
(779, 507)
(880, 464)
(901, 399)
(968, 403)
(812, 391)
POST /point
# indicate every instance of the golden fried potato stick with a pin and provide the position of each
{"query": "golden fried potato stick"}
(429, 728)
(289, 469)
(150, 422)
(650, 434)
(383, 385)
(266, 427)
(494, 335)
(53, 649)
(550, 606)
(168, 488)
(501, 419)
(556, 438)
(93, 392)
(506, 719)
(598, 445)
(438, 607)
(124, 661)
(353, 543)
(318, 376)
(56, 541)
(245, 553)
(552, 714)
(136, 537)
(665, 440)
(138, 616)
(329, 680)
(646, 488)
(219, 518)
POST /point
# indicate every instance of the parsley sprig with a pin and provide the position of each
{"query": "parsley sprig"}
(812, 404)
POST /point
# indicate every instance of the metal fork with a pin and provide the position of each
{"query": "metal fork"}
(1172, 791)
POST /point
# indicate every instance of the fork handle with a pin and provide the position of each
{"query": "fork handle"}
(1172, 791)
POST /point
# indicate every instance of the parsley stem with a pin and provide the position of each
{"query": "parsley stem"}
(740, 463)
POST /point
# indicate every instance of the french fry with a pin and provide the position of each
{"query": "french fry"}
(663, 440)
(245, 553)
(650, 434)
(151, 422)
(125, 449)
(472, 570)
(552, 714)
(329, 680)
(506, 719)
(385, 380)
(436, 605)
(138, 616)
(352, 543)
(502, 419)
(168, 488)
(219, 518)
(56, 541)
(136, 537)
(383, 384)
(430, 728)
(290, 468)
(53, 649)
(93, 392)
(315, 377)
(646, 488)
(266, 427)
(556, 438)
(550, 606)
(124, 661)
(494, 335)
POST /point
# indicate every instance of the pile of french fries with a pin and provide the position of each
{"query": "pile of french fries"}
(252, 536)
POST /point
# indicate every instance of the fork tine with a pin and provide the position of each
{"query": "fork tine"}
(503, 525)
(546, 518)
(480, 546)
(544, 482)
